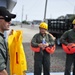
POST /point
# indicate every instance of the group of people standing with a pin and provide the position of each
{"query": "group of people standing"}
(43, 40)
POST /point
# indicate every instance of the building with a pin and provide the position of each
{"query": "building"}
(36, 22)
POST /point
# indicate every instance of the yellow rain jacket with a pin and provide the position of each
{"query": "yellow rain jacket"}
(18, 63)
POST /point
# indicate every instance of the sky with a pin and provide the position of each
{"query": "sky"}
(34, 9)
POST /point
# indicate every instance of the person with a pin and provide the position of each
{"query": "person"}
(68, 39)
(51, 35)
(42, 57)
(5, 20)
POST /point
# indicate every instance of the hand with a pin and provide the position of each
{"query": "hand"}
(3, 72)
(11, 32)
(45, 45)
(51, 35)
(41, 46)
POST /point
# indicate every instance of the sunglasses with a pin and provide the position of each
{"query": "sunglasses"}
(6, 19)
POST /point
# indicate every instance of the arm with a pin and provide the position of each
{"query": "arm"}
(64, 38)
(52, 40)
(3, 72)
(34, 41)
(51, 35)
(11, 32)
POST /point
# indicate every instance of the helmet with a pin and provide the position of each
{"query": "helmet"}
(43, 25)
(73, 21)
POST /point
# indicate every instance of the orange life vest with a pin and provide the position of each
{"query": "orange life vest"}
(48, 49)
(69, 49)
(35, 49)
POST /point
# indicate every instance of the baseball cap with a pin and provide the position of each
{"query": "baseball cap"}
(6, 14)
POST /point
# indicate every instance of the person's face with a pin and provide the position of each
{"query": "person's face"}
(4, 24)
(42, 30)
